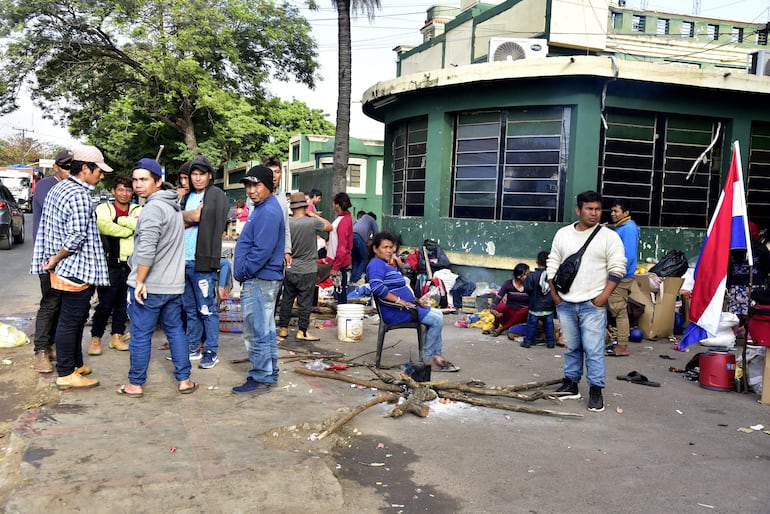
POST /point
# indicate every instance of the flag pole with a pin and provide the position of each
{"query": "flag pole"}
(750, 256)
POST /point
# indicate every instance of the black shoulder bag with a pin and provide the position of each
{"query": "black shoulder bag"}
(568, 269)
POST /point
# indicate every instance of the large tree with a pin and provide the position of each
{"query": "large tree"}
(342, 133)
(149, 72)
(20, 149)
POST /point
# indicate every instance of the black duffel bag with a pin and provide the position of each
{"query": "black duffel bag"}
(673, 264)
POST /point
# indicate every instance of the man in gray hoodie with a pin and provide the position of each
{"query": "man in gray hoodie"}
(156, 281)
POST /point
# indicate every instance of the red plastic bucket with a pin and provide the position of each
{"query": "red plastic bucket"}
(717, 371)
(759, 324)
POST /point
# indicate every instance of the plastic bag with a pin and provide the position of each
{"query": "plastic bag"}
(673, 264)
(11, 337)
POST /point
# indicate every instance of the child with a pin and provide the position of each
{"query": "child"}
(541, 306)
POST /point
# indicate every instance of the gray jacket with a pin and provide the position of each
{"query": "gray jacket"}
(159, 243)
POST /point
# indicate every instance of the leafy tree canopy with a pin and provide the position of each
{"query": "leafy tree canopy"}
(18, 149)
(130, 75)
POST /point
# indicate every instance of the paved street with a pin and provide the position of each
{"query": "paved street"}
(670, 449)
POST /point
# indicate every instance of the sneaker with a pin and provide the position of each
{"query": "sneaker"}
(252, 386)
(568, 386)
(209, 360)
(595, 399)
(195, 355)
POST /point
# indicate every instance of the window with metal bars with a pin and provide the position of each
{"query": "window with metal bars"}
(638, 23)
(510, 165)
(662, 26)
(758, 181)
(688, 29)
(646, 158)
(408, 167)
(712, 32)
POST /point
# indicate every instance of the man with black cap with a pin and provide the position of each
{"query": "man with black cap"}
(300, 278)
(68, 247)
(48, 313)
(205, 217)
(258, 266)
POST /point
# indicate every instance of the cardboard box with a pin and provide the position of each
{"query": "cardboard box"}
(658, 317)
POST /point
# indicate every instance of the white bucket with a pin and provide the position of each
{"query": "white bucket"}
(350, 322)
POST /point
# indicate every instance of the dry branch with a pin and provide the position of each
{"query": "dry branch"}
(345, 378)
(414, 403)
(505, 406)
(483, 391)
(380, 398)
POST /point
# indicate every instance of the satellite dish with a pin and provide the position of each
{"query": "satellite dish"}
(509, 51)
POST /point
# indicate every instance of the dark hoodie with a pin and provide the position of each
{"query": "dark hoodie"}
(159, 243)
(208, 247)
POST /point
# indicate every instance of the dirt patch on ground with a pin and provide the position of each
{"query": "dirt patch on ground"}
(20, 389)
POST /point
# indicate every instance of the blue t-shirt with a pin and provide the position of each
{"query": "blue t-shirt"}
(191, 232)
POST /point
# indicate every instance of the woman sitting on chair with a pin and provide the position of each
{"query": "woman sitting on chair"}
(397, 302)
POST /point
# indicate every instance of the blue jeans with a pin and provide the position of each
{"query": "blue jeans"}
(258, 305)
(532, 319)
(166, 309)
(69, 331)
(358, 257)
(583, 326)
(201, 309)
(434, 322)
(225, 273)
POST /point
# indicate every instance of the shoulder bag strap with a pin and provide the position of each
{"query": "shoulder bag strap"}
(588, 241)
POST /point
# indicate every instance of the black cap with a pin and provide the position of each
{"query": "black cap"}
(184, 169)
(201, 163)
(259, 174)
(63, 159)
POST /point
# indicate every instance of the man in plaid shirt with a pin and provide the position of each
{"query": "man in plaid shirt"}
(69, 248)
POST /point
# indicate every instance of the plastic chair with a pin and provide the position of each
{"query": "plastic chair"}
(387, 327)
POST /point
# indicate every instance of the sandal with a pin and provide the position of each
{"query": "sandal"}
(637, 378)
(122, 391)
(442, 365)
(189, 390)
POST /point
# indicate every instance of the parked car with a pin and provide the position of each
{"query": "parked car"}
(11, 220)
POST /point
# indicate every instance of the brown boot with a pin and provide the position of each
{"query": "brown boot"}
(283, 332)
(42, 363)
(305, 336)
(75, 381)
(95, 346)
(83, 370)
(117, 343)
(51, 352)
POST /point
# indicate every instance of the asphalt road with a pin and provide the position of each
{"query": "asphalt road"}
(19, 291)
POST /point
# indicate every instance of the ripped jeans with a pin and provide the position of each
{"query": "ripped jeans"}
(201, 309)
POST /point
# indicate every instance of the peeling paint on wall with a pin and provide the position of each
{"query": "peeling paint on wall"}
(490, 247)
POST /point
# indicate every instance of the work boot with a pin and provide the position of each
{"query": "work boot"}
(117, 343)
(305, 336)
(83, 370)
(95, 346)
(42, 363)
(283, 332)
(51, 352)
(75, 381)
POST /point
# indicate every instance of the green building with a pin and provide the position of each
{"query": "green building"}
(508, 109)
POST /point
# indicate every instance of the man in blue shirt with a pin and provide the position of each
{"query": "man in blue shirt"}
(628, 231)
(69, 248)
(363, 231)
(258, 266)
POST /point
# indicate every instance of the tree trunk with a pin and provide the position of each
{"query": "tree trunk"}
(342, 130)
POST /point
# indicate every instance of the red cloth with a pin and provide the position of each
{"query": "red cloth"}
(342, 258)
(510, 317)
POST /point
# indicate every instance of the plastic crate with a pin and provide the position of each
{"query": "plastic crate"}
(231, 318)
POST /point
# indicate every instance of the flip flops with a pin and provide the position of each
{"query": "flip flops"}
(637, 378)
(122, 391)
(189, 390)
(442, 365)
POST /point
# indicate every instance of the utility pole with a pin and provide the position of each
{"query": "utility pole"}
(696, 7)
(643, 5)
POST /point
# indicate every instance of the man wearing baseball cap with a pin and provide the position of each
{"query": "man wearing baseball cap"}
(50, 299)
(258, 266)
(69, 248)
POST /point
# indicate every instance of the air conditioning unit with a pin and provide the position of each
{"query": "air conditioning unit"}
(507, 49)
(759, 63)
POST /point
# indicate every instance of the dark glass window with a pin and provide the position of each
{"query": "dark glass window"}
(646, 158)
(408, 167)
(758, 181)
(510, 165)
